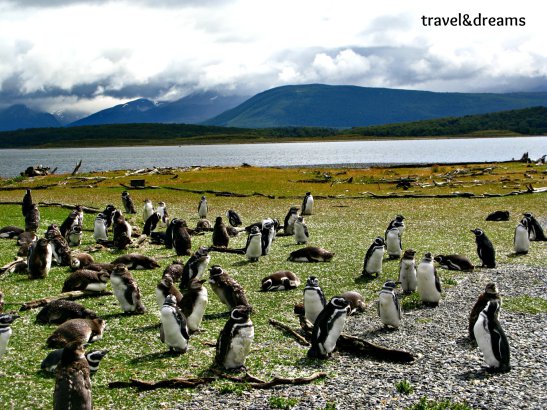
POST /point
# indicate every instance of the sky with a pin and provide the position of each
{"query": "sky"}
(82, 56)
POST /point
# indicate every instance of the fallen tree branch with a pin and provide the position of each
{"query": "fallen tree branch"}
(361, 347)
(276, 381)
(300, 339)
(10, 265)
(176, 383)
(76, 168)
(76, 294)
(239, 251)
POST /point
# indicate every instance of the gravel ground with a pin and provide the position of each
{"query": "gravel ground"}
(449, 366)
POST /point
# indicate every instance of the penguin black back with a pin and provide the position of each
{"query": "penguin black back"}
(485, 249)
(27, 203)
(72, 380)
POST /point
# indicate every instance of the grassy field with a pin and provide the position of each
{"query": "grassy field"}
(346, 220)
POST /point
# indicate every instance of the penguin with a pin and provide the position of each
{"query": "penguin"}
(193, 304)
(73, 219)
(290, 219)
(126, 290)
(39, 259)
(307, 204)
(233, 218)
(282, 280)
(26, 205)
(195, 267)
(428, 282)
(485, 249)
(77, 330)
(521, 239)
(128, 204)
(151, 224)
(388, 306)
(203, 225)
(9, 232)
(300, 231)
(226, 288)
(181, 238)
(134, 261)
(148, 210)
(26, 238)
(122, 230)
(93, 357)
(202, 208)
(535, 230)
(6, 319)
(60, 310)
(455, 262)
(164, 288)
(109, 215)
(164, 215)
(72, 380)
(314, 299)
(74, 236)
(88, 280)
(100, 232)
(32, 219)
(491, 338)
(173, 329)
(81, 260)
(393, 242)
(168, 239)
(234, 340)
(268, 235)
(356, 301)
(399, 219)
(100, 266)
(327, 328)
(220, 234)
(61, 253)
(253, 247)
(490, 293)
(407, 272)
(372, 265)
(311, 254)
(498, 216)
(175, 270)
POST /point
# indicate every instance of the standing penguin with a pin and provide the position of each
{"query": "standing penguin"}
(485, 249)
(398, 221)
(307, 204)
(407, 271)
(220, 234)
(122, 230)
(62, 255)
(128, 204)
(73, 219)
(373, 258)
(268, 235)
(290, 219)
(32, 219)
(173, 329)
(72, 380)
(26, 205)
(327, 328)
(6, 320)
(226, 288)
(195, 267)
(521, 240)
(100, 231)
(164, 215)
(314, 299)
(428, 282)
(253, 248)
(39, 259)
(147, 210)
(164, 288)
(234, 218)
(490, 293)
(193, 304)
(168, 239)
(301, 234)
(181, 238)
(126, 290)
(203, 208)
(394, 245)
(74, 236)
(389, 309)
(535, 230)
(234, 341)
(491, 338)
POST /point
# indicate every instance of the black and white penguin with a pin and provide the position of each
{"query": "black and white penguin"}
(195, 267)
(428, 282)
(89, 280)
(100, 231)
(109, 215)
(122, 230)
(282, 280)
(60, 310)
(491, 338)
(74, 236)
(314, 299)
(203, 208)
(356, 301)
(490, 293)
(485, 249)
(394, 246)
(173, 329)
(220, 234)
(80, 260)
(399, 220)
(128, 204)
(52, 360)
(72, 380)
(311, 254)
(151, 224)
(26, 205)
(233, 218)
(268, 234)
(535, 231)
(126, 290)
(9, 232)
(166, 287)
(407, 271)
(498, 216)
(61, 252)
(193, 304)
(389, 308)
(6, 319)
(226, 288)
(77, 330)
(253, 247)
(39, 259)
(32, 219)
(300, 231)
(307, 204)
(290, 219)
(372, 265)
(327, 328)
(455, 262)
(175, 270)
(521, 239)
(164, 215)
(73, 219)
(182, 242)
(234, 341)
(134, 261)
(148, 210)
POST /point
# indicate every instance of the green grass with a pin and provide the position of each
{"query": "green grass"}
(525, 304)
(404, 387)
(285, 403)
(425, 404)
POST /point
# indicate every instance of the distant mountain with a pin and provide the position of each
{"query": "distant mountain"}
(342, 106)
(19, 116)
(191, 109)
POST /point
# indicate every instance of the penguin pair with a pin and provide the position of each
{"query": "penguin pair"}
(491, 338)
(126, 290)
(327, 328)
(6, 319)
(485, 249)
(535, 230)
(388, 307)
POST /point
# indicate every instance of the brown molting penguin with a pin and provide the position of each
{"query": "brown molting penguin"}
(193, 304)
(166, 287)
(226, 288)
(283, 280)
(84, 279)
(311, 254)
(194, 267)
(59, 311)
(175, 270)
(490, 293)
(72, 380)
(126, 290)
(39, 259)
(356, 301)
(220, 234)
(62, 254)
(9, 232)
(122, 230)
(27, 203)
(32, 219)
(136, 261)
(455, 262)
(77, 330)
(80, 260)
(75, 218)
(181, 238)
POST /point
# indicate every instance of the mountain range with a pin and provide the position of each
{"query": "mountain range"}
(312, 105)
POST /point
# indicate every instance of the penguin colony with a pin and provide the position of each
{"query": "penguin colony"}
(182, 312)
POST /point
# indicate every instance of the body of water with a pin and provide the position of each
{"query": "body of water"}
(344, 153)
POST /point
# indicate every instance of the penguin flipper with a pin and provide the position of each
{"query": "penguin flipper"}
(162, 334)
(397, 305)
(437, 282)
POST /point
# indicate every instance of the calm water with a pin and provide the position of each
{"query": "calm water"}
(349, 153)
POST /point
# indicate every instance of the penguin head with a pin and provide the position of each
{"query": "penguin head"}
(478, 232)
(525, 222)
(119, 270)
(492, 308)
(399, 218)
(397, 224)
(389, 285)
(294, 209)
(95, 356)
(379, 241)
(42, 243)
(409, 254)
(216, 271)
(202, 251)
(125, 194)
(195, 284)
(7, 319)
(300, 219)
(340, 303)
(167, 280)
(266, 284)
(170, 300)
(528, 215)
(439, 258)
(72, 351)
(218, 220)
(103, 276)
(491, 288)
(241, 313)
(255, 230)
(308, 193)
(100, 217)
(312, 281)
(428, 257)
(203, 198)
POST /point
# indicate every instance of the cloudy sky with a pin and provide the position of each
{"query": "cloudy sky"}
(83, 56)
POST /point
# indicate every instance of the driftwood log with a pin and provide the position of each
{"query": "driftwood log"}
(76, 294)
(6, 268)
(176, 383)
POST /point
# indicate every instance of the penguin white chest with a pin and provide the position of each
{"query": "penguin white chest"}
(374, 263)
(407, 276)
(389, 314)
(195, 318)
(312, 305)
(426, 284)
(99, 231)
(393, 243)
(4, 339)
(160, 298)
(171, 330)
(484, 340)
(522, 240)
(300, 233)
(254, 250)
(334, 333)
(240, 345)
(201, 268)
(96, 287)
(119, 291)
